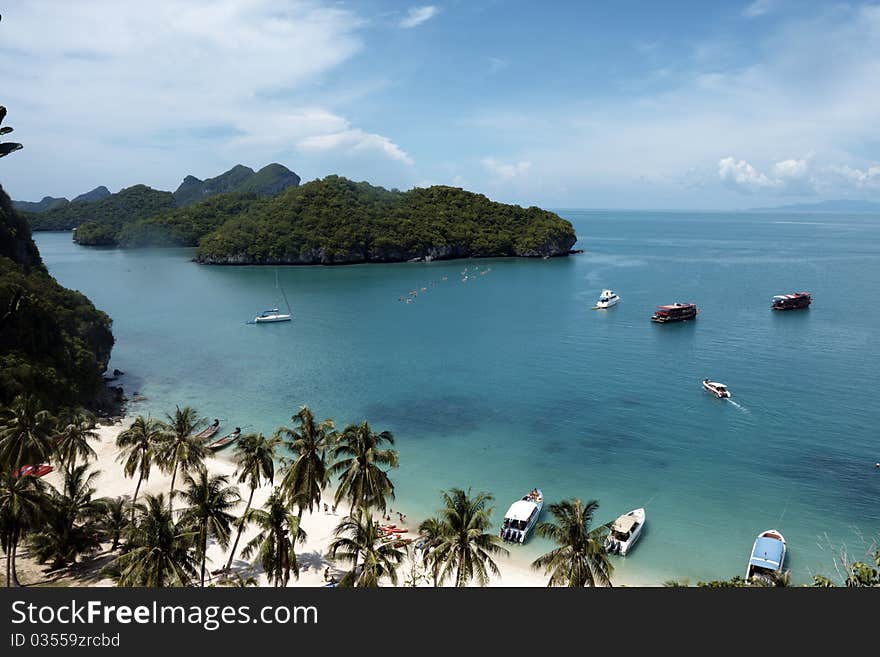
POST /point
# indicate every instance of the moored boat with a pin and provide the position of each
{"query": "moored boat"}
(718, 389)
(791, 301)
(225, 441)
(33, 470)
(676, 312)
(209, 431)
(625, 531)
(522, 516)
(607, 299)
(272, 315)
(768, 555)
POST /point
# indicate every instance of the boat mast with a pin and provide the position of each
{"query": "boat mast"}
(282, 292)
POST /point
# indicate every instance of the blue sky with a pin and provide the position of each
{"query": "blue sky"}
(718, 105)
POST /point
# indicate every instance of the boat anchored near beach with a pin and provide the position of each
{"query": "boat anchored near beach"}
(225, 441)
(625, 531)
(768, 556)
(718, 389)
(209, 431)
(607, 299)
(521, 517)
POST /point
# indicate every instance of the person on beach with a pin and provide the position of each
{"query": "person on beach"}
(326, 508)
(327, 572)
(334, 508)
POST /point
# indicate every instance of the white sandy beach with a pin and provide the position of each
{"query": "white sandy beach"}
(319, 526)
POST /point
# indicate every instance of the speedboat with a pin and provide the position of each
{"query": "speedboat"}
(522, 516)
(718, 389)
(768, 556)
(272, 315)
(625, 531)
(607, 299)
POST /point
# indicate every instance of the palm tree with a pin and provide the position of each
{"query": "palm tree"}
(255, 456)
(72, 441)
(22, 507)
(357, 457)
(580, 560)
(358, 537)
(273, 545)
(181, 449)
(306, 476)
(112, 519)
(69, 528)
(26, 434)
(209, 500)
(159, 550)
(431, 533)
(463, 545)
(140, 445)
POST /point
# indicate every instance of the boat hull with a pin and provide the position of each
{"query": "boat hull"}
(759, 567)
(519, 535)
(273, 318)
(720, 394)
(622, 547)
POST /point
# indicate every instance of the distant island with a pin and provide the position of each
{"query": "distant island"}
(842, 206)
(242, 217)
(99, 215)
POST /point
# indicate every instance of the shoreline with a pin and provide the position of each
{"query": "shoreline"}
(319, 527)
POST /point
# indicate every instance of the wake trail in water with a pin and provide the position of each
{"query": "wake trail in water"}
(739, 406)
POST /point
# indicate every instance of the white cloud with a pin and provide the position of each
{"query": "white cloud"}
(504, 170)
(418, 15)
(791, 169)
(180, 88)
(799, 177)
(354, 140)
(758, 8)
(743, 176)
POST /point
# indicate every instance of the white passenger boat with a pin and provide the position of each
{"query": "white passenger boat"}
(522, 516)
(718, 389)
(607, 299)
(625, 531)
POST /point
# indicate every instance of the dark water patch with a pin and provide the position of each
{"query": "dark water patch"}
(430, 416)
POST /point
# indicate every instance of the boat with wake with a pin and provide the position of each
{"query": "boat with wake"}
(716, 388)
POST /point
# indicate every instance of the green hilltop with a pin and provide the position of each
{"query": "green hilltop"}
(54, 344)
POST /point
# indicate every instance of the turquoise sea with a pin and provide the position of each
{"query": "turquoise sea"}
(508, 380)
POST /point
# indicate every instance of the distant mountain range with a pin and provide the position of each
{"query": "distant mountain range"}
(140, 201)
(842, 205)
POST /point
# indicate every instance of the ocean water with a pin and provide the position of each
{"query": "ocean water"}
(499, 376)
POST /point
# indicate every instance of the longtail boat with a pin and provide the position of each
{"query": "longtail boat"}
(225, 441)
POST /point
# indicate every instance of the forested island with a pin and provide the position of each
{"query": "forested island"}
(54, 345)
(98, 216)
(328, 221)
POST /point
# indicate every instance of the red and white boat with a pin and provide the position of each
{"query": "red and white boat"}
(676, 312)
(791, 301)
